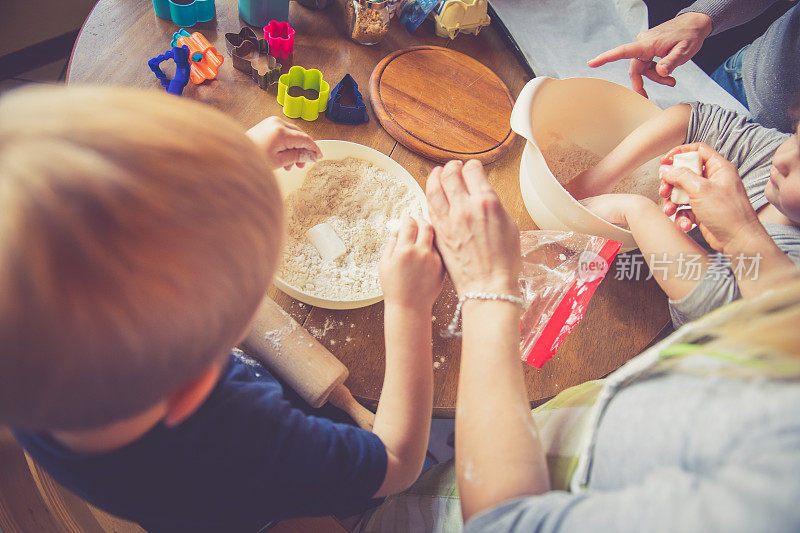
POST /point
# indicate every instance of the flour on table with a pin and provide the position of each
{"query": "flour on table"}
(358, 199)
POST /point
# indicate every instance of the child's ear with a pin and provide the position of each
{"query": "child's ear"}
(185, 401)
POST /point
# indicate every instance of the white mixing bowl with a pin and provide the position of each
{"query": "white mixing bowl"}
(592, 113)
(290, 180)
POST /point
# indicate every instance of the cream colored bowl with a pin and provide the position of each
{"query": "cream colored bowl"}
(293, 179)
(592, 113)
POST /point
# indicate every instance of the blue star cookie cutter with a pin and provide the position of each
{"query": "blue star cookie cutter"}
(346, 105)
(179, 54)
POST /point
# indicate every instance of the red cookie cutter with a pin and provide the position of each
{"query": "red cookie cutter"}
(280, 36)
(205, 67)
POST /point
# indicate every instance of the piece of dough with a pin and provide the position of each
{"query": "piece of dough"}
(324, 238)
(690, 160)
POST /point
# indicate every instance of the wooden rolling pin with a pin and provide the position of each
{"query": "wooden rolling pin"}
(287, 349)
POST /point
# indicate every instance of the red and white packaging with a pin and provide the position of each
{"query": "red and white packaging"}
(560, 272)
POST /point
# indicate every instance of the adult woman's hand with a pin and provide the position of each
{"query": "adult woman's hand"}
(478, 241)
(718, 202)
(498, 456)
(675, 42)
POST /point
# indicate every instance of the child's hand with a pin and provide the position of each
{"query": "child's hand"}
(285, 144)
(411, 269)
(591, 182)
(615, 208)
(719, 202)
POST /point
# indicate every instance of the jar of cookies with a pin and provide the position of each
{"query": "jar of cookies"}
(366, 21)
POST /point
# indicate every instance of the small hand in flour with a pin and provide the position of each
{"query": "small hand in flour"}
(411, 269)
(478, 241)
(719, 202)
(615, 208)
(284, 143)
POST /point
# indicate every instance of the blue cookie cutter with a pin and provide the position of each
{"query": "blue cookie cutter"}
(179, 54)
(185, 13)
(347, 114)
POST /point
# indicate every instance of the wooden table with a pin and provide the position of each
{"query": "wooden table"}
(624, 316)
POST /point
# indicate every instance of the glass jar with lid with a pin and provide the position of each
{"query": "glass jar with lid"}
(367, 21)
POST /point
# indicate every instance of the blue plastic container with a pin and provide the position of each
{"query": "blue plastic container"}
(185, 13)
(260, 12)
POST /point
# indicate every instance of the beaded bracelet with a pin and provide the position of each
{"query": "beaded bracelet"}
(452, 329)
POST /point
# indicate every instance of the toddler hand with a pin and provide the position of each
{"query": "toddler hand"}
(614, 208)
(284, 143)
(590, 182)
(411, 269)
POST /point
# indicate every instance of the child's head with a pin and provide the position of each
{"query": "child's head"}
(783, 189)
(138, 233)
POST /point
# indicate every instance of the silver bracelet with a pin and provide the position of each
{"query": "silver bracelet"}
(452, 329)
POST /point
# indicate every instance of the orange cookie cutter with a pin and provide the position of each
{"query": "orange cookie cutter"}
(204, 58)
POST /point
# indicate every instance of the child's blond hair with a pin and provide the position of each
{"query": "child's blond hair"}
(138, 232)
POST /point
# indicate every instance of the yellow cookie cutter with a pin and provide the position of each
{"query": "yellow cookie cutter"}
(300, 106)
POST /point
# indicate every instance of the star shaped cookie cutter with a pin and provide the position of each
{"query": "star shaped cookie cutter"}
(242, 47)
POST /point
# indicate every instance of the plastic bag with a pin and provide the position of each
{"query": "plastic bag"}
(560, 272)
(413, 12)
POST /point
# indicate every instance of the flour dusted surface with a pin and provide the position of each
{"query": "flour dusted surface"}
(358, 199)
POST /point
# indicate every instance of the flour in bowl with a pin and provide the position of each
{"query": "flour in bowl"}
(566, 160)
(358, 200)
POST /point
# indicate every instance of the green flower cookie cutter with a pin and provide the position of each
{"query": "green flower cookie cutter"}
(300, 106)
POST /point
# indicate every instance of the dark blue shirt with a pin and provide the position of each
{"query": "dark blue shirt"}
(249, 455)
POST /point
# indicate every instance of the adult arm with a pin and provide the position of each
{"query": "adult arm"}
(721, 209)
(727, 14)
(734, 497)
(498, 453)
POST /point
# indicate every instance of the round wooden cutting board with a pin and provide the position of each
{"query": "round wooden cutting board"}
(442, 104)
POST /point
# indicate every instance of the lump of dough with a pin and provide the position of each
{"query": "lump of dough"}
(324, 238)
(690, 160)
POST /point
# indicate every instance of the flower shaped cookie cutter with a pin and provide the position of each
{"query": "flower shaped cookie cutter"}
(245, 46)
(204, 59)
(179, 54)
(184, 13)
(300, 106)
(280, 36)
